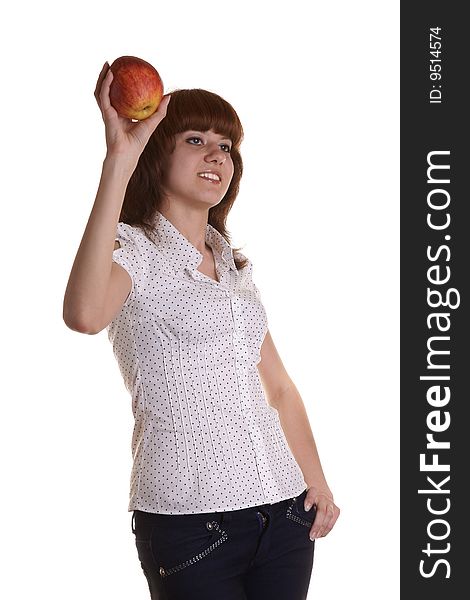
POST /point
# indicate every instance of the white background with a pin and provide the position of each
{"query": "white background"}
(316, 87)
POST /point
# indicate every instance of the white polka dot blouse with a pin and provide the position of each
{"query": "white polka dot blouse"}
(205, 438)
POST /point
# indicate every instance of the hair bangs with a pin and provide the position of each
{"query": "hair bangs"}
(203, 110)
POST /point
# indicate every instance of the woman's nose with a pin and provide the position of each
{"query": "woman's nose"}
(216, 154)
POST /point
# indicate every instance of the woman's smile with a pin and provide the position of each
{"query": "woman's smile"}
(210, 177)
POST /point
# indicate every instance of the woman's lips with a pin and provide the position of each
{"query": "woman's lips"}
(213, 181)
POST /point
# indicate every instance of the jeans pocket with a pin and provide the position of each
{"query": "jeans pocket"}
(180, 542)
(296, 511)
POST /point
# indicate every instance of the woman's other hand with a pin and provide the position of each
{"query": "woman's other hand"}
(327, 512)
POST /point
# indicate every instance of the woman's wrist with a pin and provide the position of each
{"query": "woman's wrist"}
(321, 492)
(120, 161)
(118, 166)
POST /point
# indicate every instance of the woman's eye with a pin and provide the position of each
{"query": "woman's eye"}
(226, 146)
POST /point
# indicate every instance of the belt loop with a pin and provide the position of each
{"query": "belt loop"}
(133, 522)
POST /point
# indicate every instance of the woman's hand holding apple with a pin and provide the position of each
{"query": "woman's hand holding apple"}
(125, 139)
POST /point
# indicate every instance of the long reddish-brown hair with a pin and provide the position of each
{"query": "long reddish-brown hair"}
(188, 109)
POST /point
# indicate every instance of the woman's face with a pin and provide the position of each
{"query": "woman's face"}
(199, 169)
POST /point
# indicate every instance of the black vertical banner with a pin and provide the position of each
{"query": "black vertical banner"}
(434, 305)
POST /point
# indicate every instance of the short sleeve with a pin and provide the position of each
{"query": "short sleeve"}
(127, 255)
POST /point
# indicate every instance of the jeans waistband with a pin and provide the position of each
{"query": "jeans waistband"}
(228, 515)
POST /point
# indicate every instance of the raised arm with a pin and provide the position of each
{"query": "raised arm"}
(97, 287)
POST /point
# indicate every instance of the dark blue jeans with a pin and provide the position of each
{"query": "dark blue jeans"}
(256, 553)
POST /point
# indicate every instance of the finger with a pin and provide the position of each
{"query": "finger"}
(101, 76)
(317, 526)
(159, 114)
(105, 102)
(328, 521)
(330, 526)
(144, 129)
(325, 514)
(332, 514)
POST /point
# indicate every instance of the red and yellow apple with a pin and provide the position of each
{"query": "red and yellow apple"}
(136, 88)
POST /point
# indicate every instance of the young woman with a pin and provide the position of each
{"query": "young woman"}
(227, 490)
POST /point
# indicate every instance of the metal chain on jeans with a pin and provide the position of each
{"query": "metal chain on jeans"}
(297, 519)
(212, 524)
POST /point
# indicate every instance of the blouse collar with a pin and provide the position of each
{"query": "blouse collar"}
(181, 253)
